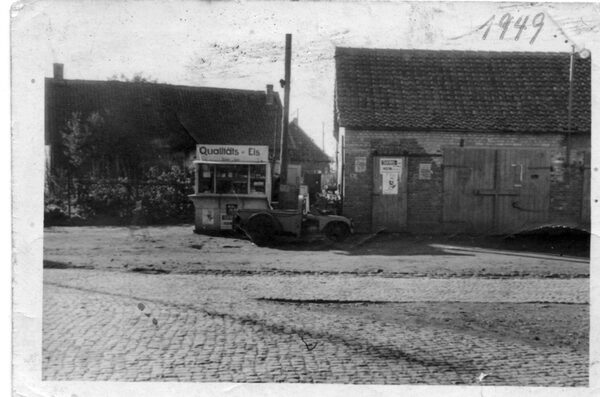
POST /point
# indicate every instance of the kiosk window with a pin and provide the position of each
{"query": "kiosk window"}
(206, 179)
(232, 179)
(257, 178)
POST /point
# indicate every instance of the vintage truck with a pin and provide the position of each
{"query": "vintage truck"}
(262, 225)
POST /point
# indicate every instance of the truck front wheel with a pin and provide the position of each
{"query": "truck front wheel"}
(337, 231)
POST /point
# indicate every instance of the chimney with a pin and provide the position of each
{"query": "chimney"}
(58, 71)
(270, 100)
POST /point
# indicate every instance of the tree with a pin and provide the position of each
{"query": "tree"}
(78, 143)
(137, 78)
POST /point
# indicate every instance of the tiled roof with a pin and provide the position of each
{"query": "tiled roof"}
(460, 90)
(302, 148)
(177, 116)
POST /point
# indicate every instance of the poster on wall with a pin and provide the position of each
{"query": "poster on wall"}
(226, 221)
(390, 183)
(360, 164)
(208, 216)
(390, 165)
(425, 171)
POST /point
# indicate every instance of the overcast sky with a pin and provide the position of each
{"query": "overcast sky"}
(241, 45)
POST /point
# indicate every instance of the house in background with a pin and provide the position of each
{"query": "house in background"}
(308, 164)
(458, 141)
(123, 128)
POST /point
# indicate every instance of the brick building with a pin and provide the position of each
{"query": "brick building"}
(452, 141)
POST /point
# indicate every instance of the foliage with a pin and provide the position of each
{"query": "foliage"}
(161, 197)
(78, 138)
(137, 78)
(165, 196)
(101, 145)
(104, 197)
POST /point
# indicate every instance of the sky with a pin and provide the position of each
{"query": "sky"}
(241, 44)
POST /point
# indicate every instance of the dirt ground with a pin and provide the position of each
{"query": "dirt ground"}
(176, 249)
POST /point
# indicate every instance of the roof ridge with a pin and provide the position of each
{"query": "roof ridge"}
(423, 51)
(148, 84)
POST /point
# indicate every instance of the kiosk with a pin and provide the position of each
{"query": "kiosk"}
(228, 178)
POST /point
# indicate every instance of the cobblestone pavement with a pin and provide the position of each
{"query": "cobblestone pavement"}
(225, 328)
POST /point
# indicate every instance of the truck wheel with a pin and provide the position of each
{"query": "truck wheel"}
(261, 229)
(337, 231)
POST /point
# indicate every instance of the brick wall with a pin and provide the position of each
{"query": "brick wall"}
(425, 197)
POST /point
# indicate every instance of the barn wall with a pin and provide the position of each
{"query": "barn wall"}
(425, 197)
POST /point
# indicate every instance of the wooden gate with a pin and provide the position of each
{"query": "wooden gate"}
(495, 191)
(389, 194)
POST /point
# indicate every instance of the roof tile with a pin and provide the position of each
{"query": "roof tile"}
(461, 90)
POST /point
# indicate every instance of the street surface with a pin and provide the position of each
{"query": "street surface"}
(118, 308)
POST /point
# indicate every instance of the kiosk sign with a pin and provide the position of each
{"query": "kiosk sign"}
(232, 153)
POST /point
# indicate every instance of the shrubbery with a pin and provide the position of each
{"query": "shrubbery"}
(164, 196)
(161, 197)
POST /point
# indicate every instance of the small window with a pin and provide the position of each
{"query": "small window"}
(206, 178)
(517, 175)
(232, 179)
(258, 179)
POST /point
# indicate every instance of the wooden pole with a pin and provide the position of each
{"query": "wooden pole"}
(568, 157)
(286, 109)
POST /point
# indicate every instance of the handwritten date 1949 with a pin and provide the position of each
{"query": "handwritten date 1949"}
(520, 25)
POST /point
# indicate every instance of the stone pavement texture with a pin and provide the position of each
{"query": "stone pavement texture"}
(225, 328)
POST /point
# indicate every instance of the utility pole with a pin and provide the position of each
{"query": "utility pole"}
(569, 116)
(323, 136)
(286, 109)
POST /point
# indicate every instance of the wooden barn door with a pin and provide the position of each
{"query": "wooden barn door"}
(526, 173)
(467, 171)
(389, 194)
(495, 191)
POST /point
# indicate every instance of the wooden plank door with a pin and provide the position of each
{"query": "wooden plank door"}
(468, 172)
(495, 191)
(389, 194)
(523, 187)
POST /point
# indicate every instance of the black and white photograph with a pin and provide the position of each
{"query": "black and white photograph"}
(330, 198)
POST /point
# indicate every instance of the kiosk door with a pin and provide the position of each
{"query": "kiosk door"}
(389, 194)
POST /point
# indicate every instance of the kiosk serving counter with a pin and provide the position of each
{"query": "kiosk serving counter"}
(228, 178)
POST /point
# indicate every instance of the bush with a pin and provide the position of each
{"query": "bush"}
(55, 214)
(162, 197)
(104, 197)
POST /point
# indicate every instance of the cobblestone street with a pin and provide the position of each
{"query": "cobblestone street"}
(113, 325)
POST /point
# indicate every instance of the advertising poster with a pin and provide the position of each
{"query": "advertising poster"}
(360, 164)
(425, 171)
(390, 165)
(226, 221)
(390, 183)
(208, 216)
